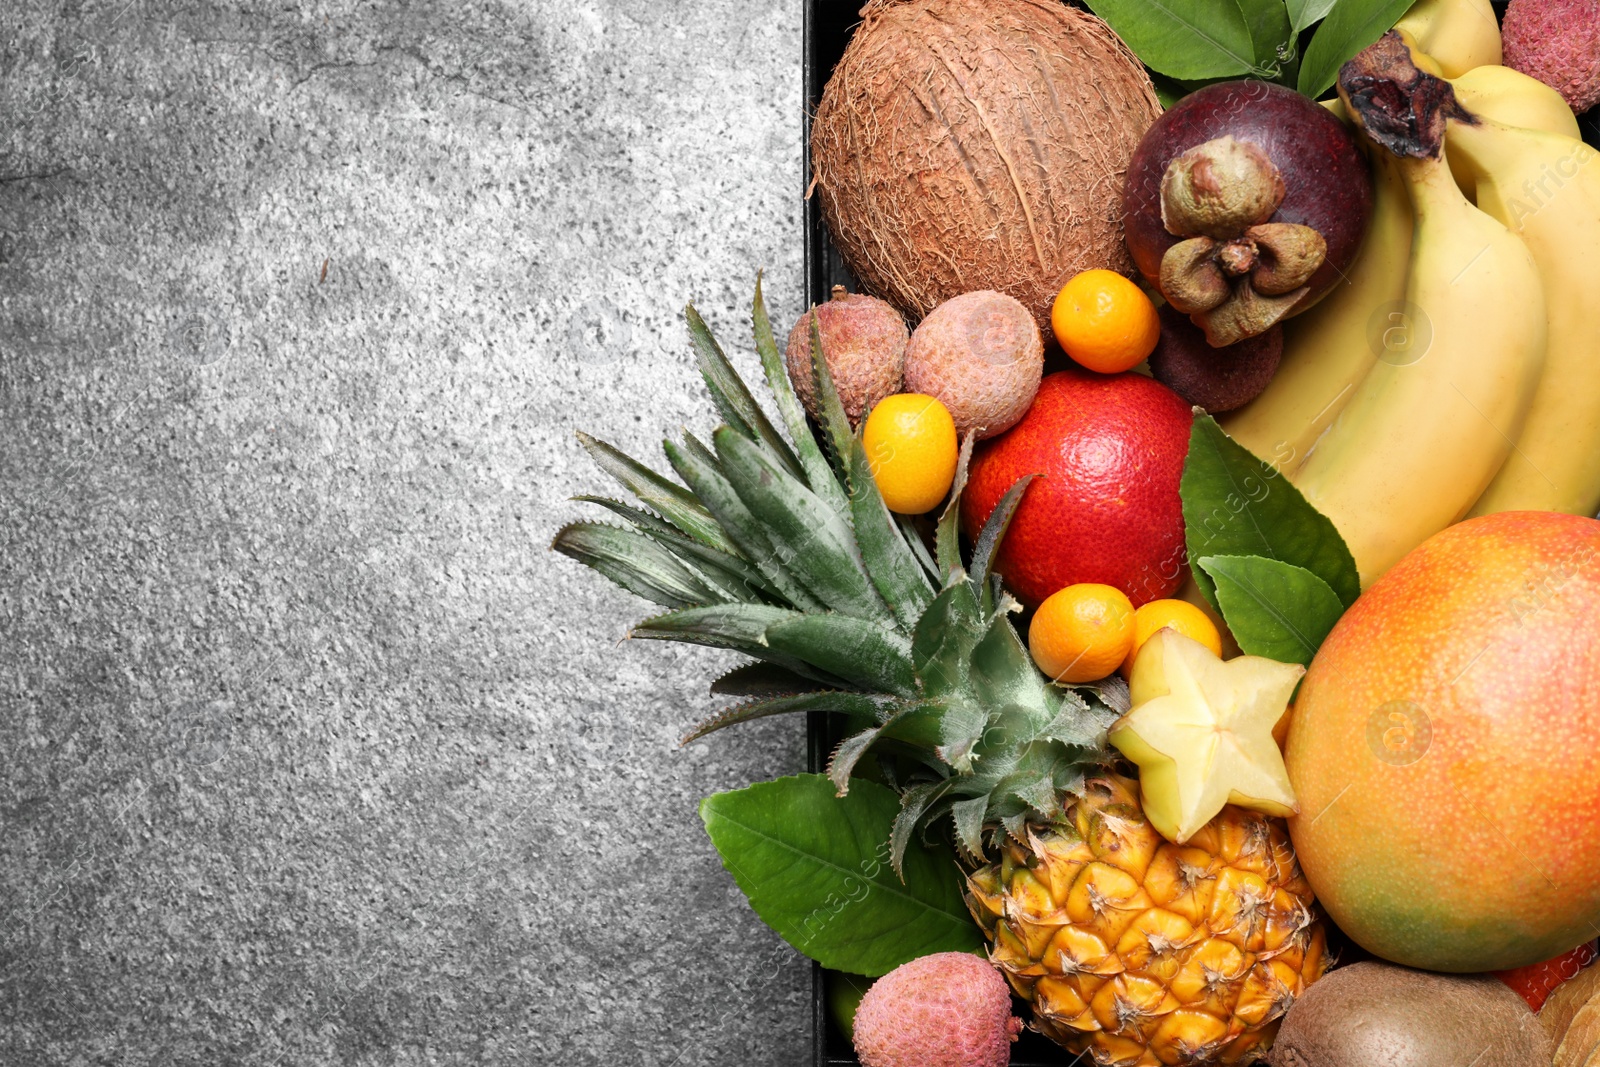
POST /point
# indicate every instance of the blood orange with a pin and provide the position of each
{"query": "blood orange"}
(1110, 451)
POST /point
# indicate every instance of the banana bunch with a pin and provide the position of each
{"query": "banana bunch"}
(1453, 373)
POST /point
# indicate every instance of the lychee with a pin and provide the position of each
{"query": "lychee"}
(1558, 42)
(982, 356)
(950, 1009)
(865, 341)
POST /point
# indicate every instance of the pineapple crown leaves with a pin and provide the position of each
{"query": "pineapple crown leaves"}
(783, 550)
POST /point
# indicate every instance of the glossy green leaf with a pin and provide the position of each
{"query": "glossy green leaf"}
(1235, 504)
(816, 868)
(813, 542)
(1183, 38)
(1304, 13)
(1350, 26)
(1270, 33)
(1274, 609)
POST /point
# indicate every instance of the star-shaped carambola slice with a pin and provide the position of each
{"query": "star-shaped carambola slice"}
(1200, 730)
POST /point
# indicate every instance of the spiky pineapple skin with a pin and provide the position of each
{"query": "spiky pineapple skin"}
(1141, 952)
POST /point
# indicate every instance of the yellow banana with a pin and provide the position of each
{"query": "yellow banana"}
(1458, 34)
(1545, 188)
(1432, 422)
(1329, 349)
(1512, 97)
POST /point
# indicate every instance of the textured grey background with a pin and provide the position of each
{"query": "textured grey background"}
(313, 753)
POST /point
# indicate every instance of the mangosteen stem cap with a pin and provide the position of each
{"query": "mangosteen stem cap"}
(1236, 273)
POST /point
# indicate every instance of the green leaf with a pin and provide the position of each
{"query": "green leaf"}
(1003, 677)
(816, 868)
(819, 474)
(736, 626)
(857, 704)
(916, 722)
(1183, 38)
(1303, 13)
(941, 647)
(1274, 609)
(760, 680)
(636, 563)
(1270, 32)
(862, 652)
(731, 573)
(1237, 505)
(947, 534)
(740, 627)
(994, 531)
(700, 470)
(835, 423)
(1350, 26)
(889, 560)
(1168, 90)
(673, 502)
(913, 803)
(732, 396)
(813, 542)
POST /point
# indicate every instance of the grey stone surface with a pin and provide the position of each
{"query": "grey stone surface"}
(313, 752)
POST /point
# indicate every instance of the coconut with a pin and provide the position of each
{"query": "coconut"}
(963, 145)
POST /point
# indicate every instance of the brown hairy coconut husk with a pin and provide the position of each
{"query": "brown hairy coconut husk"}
(978, 144)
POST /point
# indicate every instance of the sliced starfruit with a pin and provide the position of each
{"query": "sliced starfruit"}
(1200, 730)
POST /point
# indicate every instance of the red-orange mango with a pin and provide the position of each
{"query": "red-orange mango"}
(1445, 750)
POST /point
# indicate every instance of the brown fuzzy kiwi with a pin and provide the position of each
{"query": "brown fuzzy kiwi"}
(1217, 379)
(981, 355)
(865, 341)
(978, 144)
(1378, 1013)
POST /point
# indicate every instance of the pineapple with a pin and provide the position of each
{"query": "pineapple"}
(1128, 947)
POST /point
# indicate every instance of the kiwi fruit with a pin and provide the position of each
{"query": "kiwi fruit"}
(865, 341)
(982, 356)
(1375, 1014)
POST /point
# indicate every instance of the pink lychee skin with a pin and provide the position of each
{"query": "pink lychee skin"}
(951, 1009)
(1558, 42)
(865, 340)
